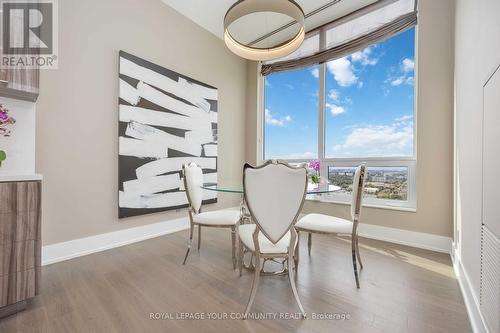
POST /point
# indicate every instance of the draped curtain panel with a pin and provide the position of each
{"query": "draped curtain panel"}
(364, 27)
(165, 120)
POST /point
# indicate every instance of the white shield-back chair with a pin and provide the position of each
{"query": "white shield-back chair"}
(274, 194)
(324, 224)
(193, 180)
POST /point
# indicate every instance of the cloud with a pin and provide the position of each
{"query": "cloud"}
(406, 119)
(334, 100)
(334, 95)
(271, 120)
(395, 138)
(289, 86)
(342, 71)
(397, 82)
(364, 57)
(404, 76)
(407, 65)
(334, 109)
(315, 72)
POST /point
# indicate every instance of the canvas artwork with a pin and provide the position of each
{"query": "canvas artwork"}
(166, 119)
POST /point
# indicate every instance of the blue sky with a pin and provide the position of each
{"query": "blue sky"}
(369, 105)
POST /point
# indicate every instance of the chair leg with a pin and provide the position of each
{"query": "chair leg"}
(358, 254)
(190, 242)
(240, 256)
(233, 245)
(309, 243)
(255, 284)
(294, 287)
(199, 237)
(353, 246)
(297, 251)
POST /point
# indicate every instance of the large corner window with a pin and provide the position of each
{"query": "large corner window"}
(352, 110)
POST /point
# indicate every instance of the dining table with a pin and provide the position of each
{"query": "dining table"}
(312, 189)
(238, 189)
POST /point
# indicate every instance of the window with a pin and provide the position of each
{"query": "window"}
(291, 112)
(357, 109)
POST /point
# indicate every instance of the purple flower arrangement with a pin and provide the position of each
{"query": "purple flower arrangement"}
(315, 165)
(5, 121)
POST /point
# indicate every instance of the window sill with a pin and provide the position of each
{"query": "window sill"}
(367, 205)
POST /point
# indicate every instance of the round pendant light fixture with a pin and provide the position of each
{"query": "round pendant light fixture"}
(244, 8)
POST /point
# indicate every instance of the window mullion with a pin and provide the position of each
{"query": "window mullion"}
(321, 112)
(321, 108)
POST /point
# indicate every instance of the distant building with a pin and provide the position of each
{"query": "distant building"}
(371, 190)
(379, 179)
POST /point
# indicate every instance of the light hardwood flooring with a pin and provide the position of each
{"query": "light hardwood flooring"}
(403, 289)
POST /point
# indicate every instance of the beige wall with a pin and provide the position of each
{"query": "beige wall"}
(477, 54)
(434, 66)
(77, 111)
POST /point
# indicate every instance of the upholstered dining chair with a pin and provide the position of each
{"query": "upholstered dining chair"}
(193, 180)
(324, 224)
(274, 194)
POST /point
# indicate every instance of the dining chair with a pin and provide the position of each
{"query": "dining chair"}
(325, 224)
(227, 218)
(274, 194)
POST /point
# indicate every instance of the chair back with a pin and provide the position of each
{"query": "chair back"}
(193, 180)
(358, 188)
(274, 193)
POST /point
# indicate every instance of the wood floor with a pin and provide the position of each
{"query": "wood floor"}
(402, 290)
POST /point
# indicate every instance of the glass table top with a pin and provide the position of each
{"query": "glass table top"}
(311, 188)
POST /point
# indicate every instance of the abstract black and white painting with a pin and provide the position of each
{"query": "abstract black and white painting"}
(165, 120)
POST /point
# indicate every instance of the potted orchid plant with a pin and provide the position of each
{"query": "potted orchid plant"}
(6, 121)
(314, 166)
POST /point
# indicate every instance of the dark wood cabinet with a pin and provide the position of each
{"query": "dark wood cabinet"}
(20, 244)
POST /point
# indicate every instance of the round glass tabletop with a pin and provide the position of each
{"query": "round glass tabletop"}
(311, 188)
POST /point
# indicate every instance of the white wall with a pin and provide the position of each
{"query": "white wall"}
(477, 54)
(20, 146)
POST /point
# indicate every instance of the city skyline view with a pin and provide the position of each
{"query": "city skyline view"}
(381, 182)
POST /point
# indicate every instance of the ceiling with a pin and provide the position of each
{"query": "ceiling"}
(209, 14)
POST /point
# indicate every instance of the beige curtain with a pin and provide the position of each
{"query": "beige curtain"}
(367, 26)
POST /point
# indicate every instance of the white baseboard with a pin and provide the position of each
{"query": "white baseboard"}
(406, 237)
(470, 298)
(83, 246)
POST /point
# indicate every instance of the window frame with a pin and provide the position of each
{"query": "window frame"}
(384, 161)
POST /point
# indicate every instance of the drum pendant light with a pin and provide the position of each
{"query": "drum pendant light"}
(246, 7)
